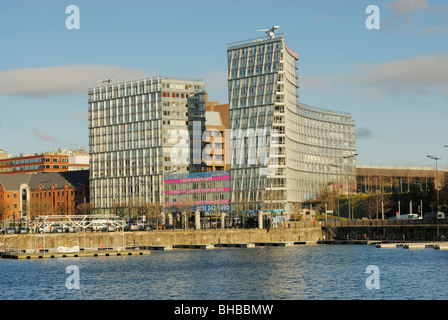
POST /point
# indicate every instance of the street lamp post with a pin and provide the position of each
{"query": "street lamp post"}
(348, 182)
(437, 183)
(337, 181)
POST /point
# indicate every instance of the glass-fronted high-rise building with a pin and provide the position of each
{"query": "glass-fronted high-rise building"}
(133, 128)
(283, 151)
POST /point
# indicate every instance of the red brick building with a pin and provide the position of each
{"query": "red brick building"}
(27, 163)
(29, 195)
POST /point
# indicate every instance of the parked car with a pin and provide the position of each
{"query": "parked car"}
(57, 228)
(134, 227)
(70, 229)
(143, 227)
(45, 229)
(23, 230)
(97, 226)
(10, 230)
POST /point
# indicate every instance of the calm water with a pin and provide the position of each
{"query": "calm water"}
(291, 273)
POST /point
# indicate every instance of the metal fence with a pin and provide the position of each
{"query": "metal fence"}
(386, 222)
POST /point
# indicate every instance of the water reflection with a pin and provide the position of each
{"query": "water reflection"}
(291, 273)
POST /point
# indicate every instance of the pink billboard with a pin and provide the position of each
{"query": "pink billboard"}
(200, 179)
(204, 190)
(189, 203)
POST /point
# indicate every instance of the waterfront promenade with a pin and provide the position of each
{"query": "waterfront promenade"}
(294, 232)
(137, 239)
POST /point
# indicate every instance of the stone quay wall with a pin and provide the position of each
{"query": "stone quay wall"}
(94, 240)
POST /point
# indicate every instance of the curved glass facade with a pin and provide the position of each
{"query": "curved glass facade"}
(283, 152)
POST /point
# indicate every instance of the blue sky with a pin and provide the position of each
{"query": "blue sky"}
(394, 81)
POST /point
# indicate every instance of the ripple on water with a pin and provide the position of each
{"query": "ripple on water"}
(279, 273)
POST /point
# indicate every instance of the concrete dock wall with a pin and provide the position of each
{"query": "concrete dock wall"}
(151, 238)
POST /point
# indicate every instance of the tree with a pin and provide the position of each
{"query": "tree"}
(186, 210)
(153, 210)
(40, 208)
(119, 209)
(3, 211)
(61, 209)
(85, 208)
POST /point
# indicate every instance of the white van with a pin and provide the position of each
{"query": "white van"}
(411, 216)
(97, 225)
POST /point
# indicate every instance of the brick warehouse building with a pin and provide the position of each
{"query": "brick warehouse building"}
(24, 196)
(61, 161)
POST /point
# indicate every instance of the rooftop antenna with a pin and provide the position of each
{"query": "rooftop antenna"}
(108, 81)
(270, 32)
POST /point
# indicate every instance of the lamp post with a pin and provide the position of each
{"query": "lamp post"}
(337, 181)
(348, 182)
(437, 183)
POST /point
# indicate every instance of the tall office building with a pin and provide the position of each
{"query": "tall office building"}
(131, 128)
(283, 151)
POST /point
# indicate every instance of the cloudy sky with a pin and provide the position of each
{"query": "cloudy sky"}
(393, 80)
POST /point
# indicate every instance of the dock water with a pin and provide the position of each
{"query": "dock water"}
(136, 251)
(146, 250)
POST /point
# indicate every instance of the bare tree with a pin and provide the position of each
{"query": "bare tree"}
(85, 208)
(153, 210)
(3, 212)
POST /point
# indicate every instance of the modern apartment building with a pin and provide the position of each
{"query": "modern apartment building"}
(283, 151)
(139, 131)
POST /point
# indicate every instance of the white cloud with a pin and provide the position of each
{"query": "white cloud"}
(47, 81)
(435, 30)
(422, 70)
(368, 93)
(363, 133)
(322, 17)
(407, 8)
(44, 136)
(419, 74)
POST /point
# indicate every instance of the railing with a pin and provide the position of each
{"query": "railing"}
(255, 40)
(381, 222)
